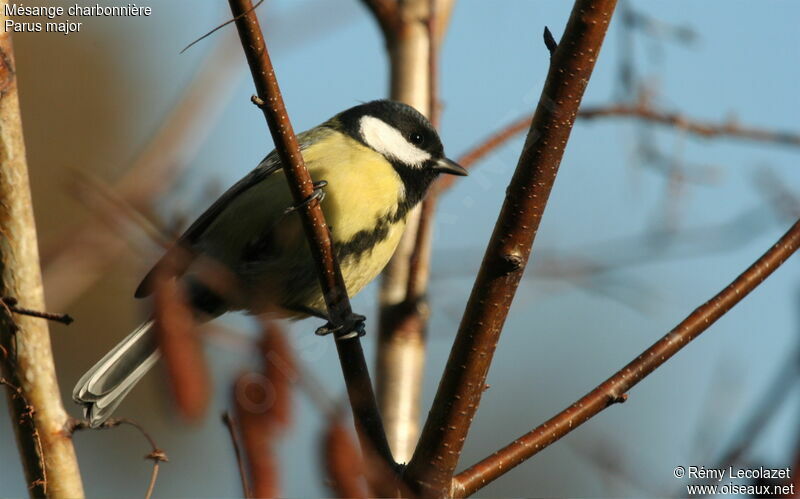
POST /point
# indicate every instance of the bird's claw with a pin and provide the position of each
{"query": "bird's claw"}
(318, 193)
(352, 327)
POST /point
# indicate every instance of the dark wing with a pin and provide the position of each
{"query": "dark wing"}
(178, 258)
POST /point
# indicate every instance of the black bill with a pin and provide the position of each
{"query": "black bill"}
(445, 165)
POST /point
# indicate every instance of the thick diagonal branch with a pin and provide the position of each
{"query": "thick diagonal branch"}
(47, 454)
(614, 388)
(351, 355)
(462, 384)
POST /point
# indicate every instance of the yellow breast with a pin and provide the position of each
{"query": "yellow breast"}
(362, 185)
(360, 203)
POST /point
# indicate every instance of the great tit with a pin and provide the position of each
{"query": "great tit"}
(248, 251)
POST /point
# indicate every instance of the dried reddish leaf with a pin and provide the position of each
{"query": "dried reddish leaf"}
(262, 403)
(253, 398)
(342, 462)
(280, 371)
(182, 349)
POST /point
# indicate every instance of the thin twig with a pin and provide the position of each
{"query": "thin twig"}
(640, 111)
(233, 428)
(156, 455)
(462, 384)
(704, 129)
(615, 387)
(157, 458)
(11, 304)
(217, 28)
(351, 355)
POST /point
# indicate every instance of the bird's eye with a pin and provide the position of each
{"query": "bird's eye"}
(416, 138)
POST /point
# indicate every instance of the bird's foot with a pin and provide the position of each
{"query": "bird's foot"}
(318, 193)
(352, 327)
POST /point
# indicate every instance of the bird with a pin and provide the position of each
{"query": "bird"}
(371, 164)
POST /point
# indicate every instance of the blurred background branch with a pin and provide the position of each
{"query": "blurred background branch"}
(412, 30)
(84, 253)
(643, 111)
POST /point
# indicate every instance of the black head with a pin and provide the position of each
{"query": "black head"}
(404, 137)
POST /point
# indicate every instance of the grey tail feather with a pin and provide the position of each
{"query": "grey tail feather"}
(104, 386)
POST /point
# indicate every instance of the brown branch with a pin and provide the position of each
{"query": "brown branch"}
(457, 398)
(351, 355)
(704, 129)
(641, 111)
(233, 428)
(614, 388)
(47, 457)
(387, 14)
(156, 455)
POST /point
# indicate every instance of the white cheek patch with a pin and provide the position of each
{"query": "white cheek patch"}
(388, 141)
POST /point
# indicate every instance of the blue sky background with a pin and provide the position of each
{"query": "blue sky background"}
(561, 339)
